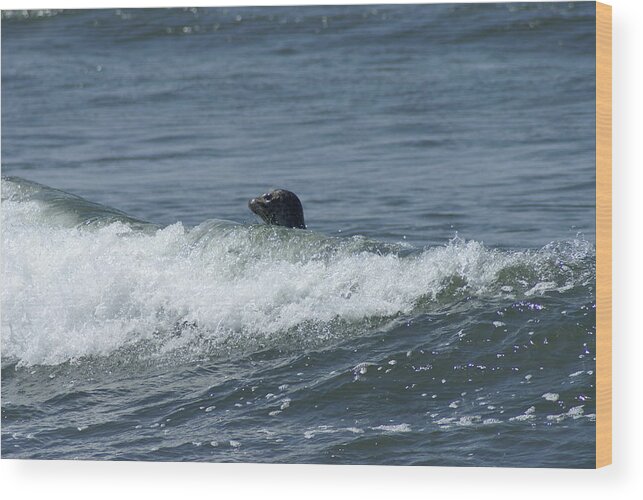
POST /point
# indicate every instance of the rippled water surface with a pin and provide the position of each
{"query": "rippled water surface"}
(440, 308)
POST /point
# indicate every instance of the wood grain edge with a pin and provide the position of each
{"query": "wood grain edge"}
(603, 234)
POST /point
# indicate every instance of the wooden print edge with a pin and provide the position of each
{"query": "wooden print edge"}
(603, 234)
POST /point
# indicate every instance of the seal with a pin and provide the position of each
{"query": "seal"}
(280, 208)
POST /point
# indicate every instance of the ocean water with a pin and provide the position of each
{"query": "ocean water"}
(440, 308)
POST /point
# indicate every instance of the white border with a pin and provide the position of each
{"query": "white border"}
(111, 480)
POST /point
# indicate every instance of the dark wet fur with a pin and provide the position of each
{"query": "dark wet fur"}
(279, 207)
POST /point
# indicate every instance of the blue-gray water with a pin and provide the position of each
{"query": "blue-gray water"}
(440, 309)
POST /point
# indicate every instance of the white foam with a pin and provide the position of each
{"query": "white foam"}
(469, 420)
(71, 291)
(325, 429)
(393, 428)
(574, 413)
(551, 396)
(528, 415)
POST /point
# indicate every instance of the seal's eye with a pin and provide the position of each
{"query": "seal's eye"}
(267, 196)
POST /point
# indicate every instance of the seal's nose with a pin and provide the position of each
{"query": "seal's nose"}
(253, 204)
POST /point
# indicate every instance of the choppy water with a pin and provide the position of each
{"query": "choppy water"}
(439, 310)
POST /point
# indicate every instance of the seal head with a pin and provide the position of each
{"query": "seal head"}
(280, 208)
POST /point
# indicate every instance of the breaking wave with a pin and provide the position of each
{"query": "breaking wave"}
(80, 279)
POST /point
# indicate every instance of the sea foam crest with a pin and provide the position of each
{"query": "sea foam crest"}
(72, 290)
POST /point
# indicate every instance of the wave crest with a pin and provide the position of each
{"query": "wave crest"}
(74, 290)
